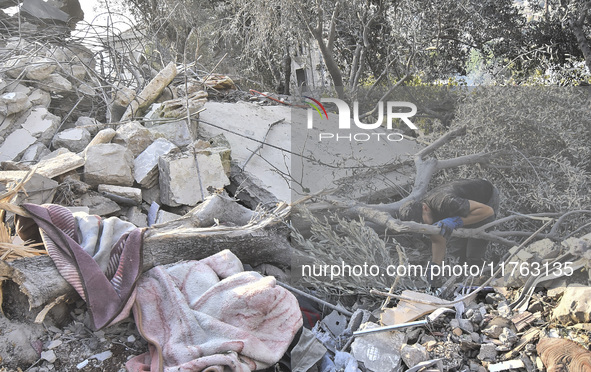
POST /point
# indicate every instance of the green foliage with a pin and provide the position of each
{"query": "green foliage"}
(544, 133)
(335, 240)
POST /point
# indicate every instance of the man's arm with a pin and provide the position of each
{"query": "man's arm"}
(478, 212)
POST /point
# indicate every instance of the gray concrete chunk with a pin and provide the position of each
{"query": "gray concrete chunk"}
(74, 139)
(42, 124)
(40, 69)
(178, 132)
(131, 193)
(185, 179)
(145, 166)
(134, 136)
(15, 144)
(108, 163)
(14, 102)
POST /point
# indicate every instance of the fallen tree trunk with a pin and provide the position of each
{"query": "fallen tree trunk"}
(263, 239)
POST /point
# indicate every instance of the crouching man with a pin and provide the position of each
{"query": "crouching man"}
(463, 203)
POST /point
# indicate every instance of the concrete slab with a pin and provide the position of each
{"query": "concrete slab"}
(15, 144)
(365, 170)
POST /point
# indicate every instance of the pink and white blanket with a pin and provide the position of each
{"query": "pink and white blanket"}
(209, 315)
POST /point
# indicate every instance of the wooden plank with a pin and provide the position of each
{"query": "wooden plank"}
(407, 311)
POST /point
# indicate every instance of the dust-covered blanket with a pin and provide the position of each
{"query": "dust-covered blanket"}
(210, 315)
(100, 258)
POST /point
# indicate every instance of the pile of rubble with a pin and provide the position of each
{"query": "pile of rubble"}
(104, 169)
(153, 164)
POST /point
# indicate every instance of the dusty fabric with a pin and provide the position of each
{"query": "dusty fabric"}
(101, 259)
(209, 315)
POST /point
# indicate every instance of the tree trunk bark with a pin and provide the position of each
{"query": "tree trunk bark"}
(266, 241)
(577, 25)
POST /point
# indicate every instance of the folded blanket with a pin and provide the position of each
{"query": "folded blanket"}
(101, 259)
(209, 315)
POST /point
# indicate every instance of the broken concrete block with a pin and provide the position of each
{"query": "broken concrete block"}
(131, 193)
(55, 83)
(123, 96)
(151, 92)
(17, 87)
(177, 108)
(543, 249)
(488, 353)
(145, 166)
(86, 89)
(136, 217)
(379, 351)
(108, 163)
(78, 72)
(98, 204)
(186, 178)
(41, 124)
(413, 354)
(35, 152)
(103, 136)
(179, 180)
(40, 69)
(225, 156)
(90, 124)
(2, 84)
(15, 144)
(575, 305)
(74, 139)
(61, 164)
(15, 66)
(14, 102)
(134, 136)
(152, 194)
(40, 98)
(178, 132)
(39, 189)
(164, 216)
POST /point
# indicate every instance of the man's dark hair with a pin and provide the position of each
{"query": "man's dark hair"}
(412, 210)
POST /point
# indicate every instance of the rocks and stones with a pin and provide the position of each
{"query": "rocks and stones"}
(39, 189)
(178, 132)
(108, 163)
(35, 152)
(177, 108)
(151, 92)
(145, 166)
(575, 305)
(74, 139)
(164, 216)
(15, 145)
(41, 124)
(134, 136)
(49, 355)
(98, 204)
(379, 351)
(488, 353)
(53, 166)
(90, 124)
(186, 178)
(103, 136)
(135, 216)
(40, 68)
(121, 194)
(40, 98)
(56, 83)
(14, 102)
(413, 354)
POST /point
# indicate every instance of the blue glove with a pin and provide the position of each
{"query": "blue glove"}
(448, 225)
